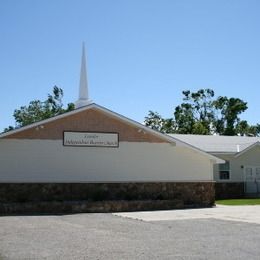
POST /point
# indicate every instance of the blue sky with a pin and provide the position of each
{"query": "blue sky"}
(141, 54)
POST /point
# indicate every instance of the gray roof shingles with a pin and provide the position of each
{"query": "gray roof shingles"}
(218, 143)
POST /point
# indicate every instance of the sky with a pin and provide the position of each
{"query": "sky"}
(141, 54)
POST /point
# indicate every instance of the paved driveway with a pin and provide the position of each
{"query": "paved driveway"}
(188, 235)
(249, 214)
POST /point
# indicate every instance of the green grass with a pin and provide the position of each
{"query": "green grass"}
(238, 202)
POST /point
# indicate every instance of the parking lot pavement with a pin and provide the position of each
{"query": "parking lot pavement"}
(249, 214)
(106, 236)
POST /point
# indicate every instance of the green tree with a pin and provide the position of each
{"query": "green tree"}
(38, 110)
(9, 128)
(243, 128)
(184, 118)
(155, 121)
(228, 110)
(196, 114)
(254, 130)
(201, 113)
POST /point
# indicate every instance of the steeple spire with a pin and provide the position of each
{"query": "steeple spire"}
(83, 85)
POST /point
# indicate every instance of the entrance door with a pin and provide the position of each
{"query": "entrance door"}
(252, 179)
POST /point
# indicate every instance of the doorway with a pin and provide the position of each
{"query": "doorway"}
(252, 179)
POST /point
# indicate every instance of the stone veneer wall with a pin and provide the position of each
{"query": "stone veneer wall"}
(103, 197)
(229, 190)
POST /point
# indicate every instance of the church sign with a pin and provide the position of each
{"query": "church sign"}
(90, 139)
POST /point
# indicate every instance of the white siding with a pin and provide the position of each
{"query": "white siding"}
(250, 158)
(50, 161)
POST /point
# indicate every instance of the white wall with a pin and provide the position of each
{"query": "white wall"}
(50, 161)
(250, 158)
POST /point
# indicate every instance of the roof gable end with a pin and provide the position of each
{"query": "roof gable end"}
(139, 132)
(91, 118)
(248, 149)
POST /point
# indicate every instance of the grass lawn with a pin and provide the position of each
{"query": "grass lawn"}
(239, 202)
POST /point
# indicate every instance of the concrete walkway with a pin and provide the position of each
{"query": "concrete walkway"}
(249, 214)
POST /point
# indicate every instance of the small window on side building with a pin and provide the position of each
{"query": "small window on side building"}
(224, 171)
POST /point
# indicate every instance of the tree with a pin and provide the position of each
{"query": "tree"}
(155, 121)
(229, 110)
(9, 128)
(184, 118)
(254, 130)
(196, 114)
(243, 128)
(38, 110)
(201, 113)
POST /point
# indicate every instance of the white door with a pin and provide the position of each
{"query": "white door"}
(252, 179)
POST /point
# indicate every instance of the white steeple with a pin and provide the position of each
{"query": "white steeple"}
(83, 85)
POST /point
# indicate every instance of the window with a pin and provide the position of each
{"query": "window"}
(257, 173)
(224, 171)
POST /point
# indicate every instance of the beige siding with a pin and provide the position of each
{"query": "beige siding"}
(249, 158)
(50, 161)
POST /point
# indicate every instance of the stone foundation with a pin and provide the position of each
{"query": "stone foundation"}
(229, 190)
(103, 197)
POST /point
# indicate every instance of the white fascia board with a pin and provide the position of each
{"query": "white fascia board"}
(221, 153)
(213, 152)
(247, 149)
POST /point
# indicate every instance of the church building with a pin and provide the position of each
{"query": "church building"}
(92, 159)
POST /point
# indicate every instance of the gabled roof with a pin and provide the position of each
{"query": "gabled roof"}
(170, 139)
(248, 148)
(217, 143)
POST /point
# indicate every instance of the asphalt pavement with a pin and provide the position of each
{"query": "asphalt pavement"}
(107, 236)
